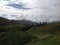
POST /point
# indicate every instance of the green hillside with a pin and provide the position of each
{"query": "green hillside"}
(12, 34)
(4, 22)
(21, 34)
(48, 34)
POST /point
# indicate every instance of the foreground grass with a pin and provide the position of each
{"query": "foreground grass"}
(13, 35)
(37, 35)
(15, 38)
(47, 35)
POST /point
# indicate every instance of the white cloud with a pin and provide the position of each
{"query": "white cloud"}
(42, 10)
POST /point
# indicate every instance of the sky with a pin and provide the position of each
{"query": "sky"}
(34, 10)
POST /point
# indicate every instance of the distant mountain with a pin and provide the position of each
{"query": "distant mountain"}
(26, 22)
(4, 22)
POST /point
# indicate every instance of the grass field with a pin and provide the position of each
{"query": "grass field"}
(48, 34)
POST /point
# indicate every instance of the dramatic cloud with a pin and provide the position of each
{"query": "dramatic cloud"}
(18, 6)
(34, 10)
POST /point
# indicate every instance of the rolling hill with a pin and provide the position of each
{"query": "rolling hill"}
(12, 33)
(4, 21)
(46, 35)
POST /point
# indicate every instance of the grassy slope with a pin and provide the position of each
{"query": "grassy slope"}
(47, 35)
(4, 22)
(38, 35)
(11, 35)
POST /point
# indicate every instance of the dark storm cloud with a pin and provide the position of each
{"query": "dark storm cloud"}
(19, 6)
